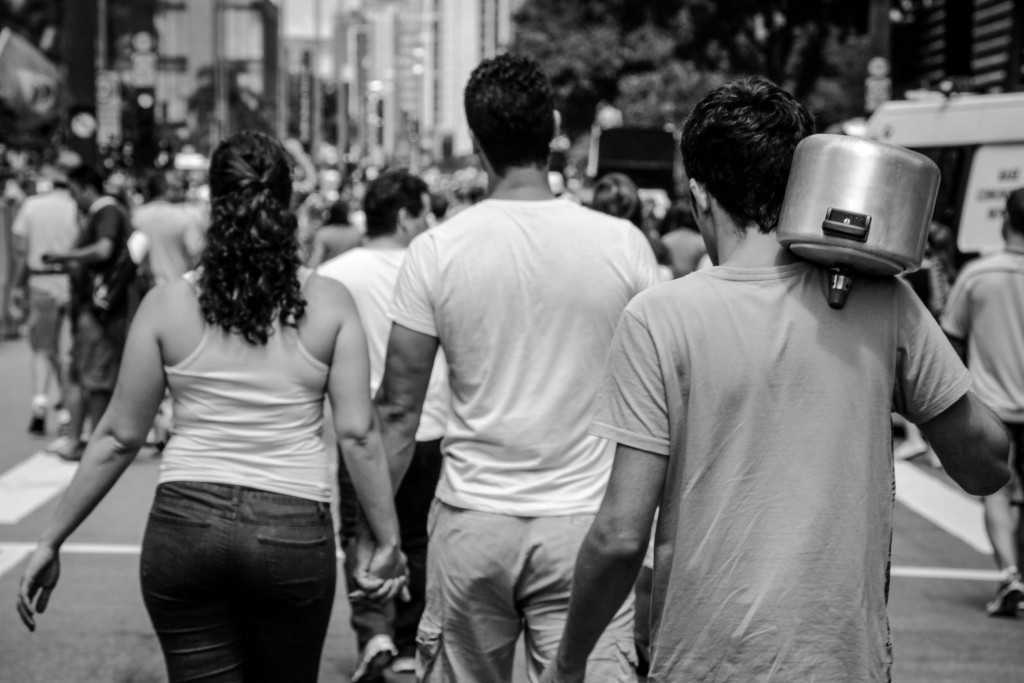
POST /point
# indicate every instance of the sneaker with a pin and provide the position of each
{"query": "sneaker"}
(66, 448)
(377, 655)
(404, 665)
(37, 424)
(1008, 598)
(63, 420)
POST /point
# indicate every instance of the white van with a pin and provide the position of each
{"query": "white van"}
(978, 143)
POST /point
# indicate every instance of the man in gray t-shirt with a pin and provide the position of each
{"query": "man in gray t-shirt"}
(984, 319)
(758, 419)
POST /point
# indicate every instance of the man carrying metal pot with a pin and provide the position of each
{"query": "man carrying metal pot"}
(758, 418)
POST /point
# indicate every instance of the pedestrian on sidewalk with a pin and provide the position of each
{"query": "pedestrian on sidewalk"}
(46, 223)
(238, 561)
(758, 419)
(101, 269)
(984, 318)
(397, 206)
(521, 291)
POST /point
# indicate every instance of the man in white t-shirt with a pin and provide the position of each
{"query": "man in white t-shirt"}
(175, 235)
(522, 291)
(46, 222)
(397, 206)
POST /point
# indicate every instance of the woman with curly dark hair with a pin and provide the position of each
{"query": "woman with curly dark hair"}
(238, 562)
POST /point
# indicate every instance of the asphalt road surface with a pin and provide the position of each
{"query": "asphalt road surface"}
(96, 629)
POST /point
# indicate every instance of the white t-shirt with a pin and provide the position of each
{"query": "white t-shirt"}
(524, 297)
(175, 238)
(370, 274)
(49, 223)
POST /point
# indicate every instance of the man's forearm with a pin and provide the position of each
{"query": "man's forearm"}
(398, 431)
(603, 578)
(97, 252)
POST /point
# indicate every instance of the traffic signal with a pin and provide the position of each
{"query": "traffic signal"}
(147, 143)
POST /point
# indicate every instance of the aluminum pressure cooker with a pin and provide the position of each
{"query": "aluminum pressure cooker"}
(855, 205)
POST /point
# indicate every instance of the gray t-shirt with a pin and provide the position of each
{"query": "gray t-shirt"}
(772, 545)
(986, 309)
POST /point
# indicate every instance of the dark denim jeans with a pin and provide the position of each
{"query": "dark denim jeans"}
(397, 619)
(238, 583)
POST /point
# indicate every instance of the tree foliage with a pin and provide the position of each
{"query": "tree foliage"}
(654, 59)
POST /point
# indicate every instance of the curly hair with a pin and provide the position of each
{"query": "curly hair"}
(510, 109)
(249, 269)
(616, 194)
(739, 142)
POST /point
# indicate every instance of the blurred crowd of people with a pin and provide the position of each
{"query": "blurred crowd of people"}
(731, 455)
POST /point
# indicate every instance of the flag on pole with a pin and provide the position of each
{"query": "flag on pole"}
(29, 82)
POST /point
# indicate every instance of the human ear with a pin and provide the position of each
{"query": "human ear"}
(701, 199)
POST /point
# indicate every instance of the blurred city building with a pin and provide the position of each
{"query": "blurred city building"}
(217, 67)
(967, 45)
(402, 65)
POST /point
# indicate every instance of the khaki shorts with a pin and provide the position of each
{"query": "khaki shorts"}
(96, 349)
(492, 577)
(45, 317)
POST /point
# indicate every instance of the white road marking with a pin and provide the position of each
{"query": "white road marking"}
(31, 484)
(950, 509)
(11, 554)
(947, 573)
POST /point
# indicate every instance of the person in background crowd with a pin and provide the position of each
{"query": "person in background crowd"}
(984, 318)
(335, 236)
(616, 195)
(438, 207)
(758, 419)
(46, 223)
(238, 559)
(521, 291)
(173, 235)
(682, 239)
(397, 206)
(932, 283)
(99, 305)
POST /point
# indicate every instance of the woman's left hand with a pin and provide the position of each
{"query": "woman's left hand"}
(382, 574)
(37, 583)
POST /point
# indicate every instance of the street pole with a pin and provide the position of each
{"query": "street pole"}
(102, 40)
(221, 112)
(318, 99)
(282, 75)
(878, 84)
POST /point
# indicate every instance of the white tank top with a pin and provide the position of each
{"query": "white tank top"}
(249, 415)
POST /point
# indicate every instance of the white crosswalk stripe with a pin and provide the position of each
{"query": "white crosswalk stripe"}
(950, 509)
(31, 484)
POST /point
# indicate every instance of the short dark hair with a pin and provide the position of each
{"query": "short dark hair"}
(386, 194)
(336, 213)
(739, 142)
(510, 109)
(1015, 211)
(617, 195)
(156, 184)
(438, 205)
(86, 176)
